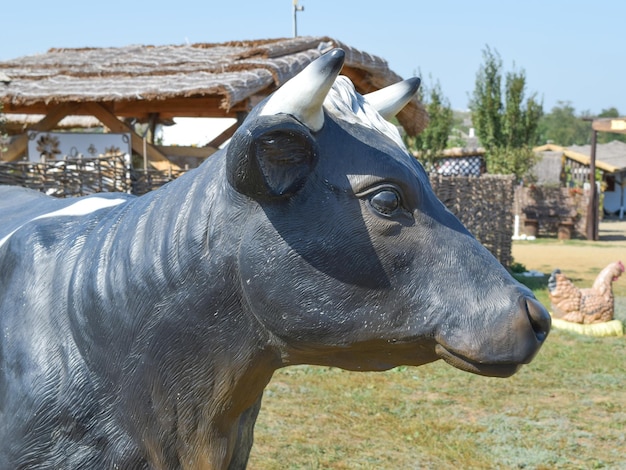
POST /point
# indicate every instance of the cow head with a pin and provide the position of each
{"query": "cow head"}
(347, 257)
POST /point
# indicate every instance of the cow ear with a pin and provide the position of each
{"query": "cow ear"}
(272, 161)
(285, 159)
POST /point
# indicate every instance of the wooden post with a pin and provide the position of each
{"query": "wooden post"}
(592, 209)
(153, 119)
(18, 147)
(617, 126)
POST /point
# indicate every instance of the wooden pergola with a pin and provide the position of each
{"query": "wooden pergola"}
(615, 125)
(152, 84)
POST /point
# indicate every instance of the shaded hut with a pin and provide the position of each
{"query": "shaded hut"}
(152, 84)
(570, 166)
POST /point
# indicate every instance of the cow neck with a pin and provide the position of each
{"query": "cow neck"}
(163, 263)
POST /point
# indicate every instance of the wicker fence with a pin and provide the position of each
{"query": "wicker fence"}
(484, 204)
(82, 176)
(144, 181)
(69, 177)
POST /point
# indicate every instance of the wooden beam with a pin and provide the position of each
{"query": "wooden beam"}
(17, 148)
(178, 107)
(156, 158)
(141, 109)
(615, 125)
(463, 152)
(591, 228)
(200, 153)
(181, 106)
(224, 136)
(39, 108)
(152, 123)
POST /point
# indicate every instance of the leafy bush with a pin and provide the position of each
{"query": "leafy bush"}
(518, 267)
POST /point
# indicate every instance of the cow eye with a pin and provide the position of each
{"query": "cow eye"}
(385, 201)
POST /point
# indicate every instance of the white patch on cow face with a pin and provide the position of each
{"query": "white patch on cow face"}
(347, 105)
(79, 208)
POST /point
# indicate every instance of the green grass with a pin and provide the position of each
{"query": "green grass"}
(565, 410)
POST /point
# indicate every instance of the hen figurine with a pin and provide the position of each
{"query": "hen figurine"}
(592, 305)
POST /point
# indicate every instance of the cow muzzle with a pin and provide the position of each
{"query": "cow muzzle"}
(523, 338)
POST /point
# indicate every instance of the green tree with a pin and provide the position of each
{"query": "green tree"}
(508, 130)
(486, 105)
(432, 140)
(609, 113)
(521, 119)
(561, 126)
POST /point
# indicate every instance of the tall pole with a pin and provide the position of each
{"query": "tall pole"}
(592, 209)
(296, 9)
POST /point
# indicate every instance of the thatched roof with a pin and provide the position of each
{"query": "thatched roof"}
(610, 157)
(547, 170)
(612, 154)
(193, 80)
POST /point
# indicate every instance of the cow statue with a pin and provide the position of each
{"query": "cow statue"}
(140, 332)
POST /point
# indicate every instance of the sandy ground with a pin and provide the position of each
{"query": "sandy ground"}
(579, 258)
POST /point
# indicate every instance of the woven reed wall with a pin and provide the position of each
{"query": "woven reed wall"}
(69, 177)
(82, 176)
(145, 181)
(483, 204)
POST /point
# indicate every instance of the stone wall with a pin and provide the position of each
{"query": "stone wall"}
(546, 210)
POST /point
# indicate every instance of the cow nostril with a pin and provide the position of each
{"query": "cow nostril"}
(539, 318)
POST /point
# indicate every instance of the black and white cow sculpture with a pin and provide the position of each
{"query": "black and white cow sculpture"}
(141, 332)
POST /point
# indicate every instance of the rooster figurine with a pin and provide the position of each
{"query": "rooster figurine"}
(592, 305)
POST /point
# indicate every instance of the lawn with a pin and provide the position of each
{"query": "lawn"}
(565, 410)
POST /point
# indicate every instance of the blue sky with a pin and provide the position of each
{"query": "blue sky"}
(571, 50)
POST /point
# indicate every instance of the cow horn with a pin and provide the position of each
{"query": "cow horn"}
(390, 100)
(303, 95)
